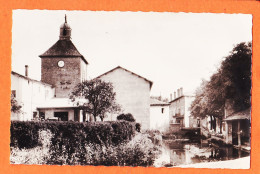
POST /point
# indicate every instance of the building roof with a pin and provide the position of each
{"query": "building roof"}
(242, 115)
(27, 78)
(119, 67)
(63, 48)
(156, 102)
(58, 103)
(177, 98)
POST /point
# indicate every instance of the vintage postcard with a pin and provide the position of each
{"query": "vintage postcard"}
(147, 89)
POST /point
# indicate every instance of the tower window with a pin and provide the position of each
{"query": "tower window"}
(64, 32)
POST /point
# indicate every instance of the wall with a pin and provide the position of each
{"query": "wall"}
(63, 79)
(158, 120)
(177, 109)
(187, 115)
(175, 127)
(132, 93)
(29, 94)
(181, 107)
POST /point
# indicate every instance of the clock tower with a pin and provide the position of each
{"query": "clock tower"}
(62, 64)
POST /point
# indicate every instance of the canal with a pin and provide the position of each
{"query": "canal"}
(175, 153)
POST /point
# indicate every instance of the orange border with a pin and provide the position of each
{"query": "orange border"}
(198, 6)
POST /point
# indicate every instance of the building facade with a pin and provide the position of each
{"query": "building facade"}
(180, 110)
(29, 94)
(159, 115)
(132, 93)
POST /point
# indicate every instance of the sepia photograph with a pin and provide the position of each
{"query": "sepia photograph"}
(148, 89)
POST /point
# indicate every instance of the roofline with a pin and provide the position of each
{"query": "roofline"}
(181, 97)
(166, 104)
(27, 78)
(150, 82)
(65, 56)
(62, 107)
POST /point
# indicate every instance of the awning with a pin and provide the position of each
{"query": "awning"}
(58, 103)
(242, 115)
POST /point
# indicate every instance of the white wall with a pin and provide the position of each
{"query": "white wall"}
(132, 93)
(188, 101)
(158, 120)
(29, 94)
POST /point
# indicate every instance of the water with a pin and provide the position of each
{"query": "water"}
(181, 153)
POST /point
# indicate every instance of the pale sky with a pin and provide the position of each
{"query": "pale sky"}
(171, 49)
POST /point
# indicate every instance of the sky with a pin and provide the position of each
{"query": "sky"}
(172, 50)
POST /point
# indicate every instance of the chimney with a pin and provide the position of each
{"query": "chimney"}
(170, 97)
(174, 94)
(181, 91)
(26, 70)
(178, 92)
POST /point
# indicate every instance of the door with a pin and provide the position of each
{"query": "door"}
(62, 116)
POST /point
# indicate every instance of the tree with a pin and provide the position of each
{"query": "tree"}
(231, 81)
(15, 107)
(99, 98)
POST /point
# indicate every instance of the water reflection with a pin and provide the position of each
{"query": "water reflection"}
(180, 153)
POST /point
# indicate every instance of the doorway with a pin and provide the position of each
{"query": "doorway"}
(62, 116)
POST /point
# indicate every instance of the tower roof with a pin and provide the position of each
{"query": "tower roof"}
(63, 48)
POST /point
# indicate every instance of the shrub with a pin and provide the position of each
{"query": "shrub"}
(126, 117)
(138, 127)
(139, 151)
(37, 155)
(25, 134)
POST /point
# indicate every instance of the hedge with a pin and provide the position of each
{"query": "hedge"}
(24, 134)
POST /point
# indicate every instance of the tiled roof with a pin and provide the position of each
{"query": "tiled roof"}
(242, 115)
(155, 102)
(119, 67)
(63, 48)
(27, 78)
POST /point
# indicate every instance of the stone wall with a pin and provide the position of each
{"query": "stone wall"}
(63, 79)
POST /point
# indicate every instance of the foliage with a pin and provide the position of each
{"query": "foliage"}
(231, 81)
(99, 98)
(37, 155)
(138, 127)
(15, 107)
(126, 117)
(139, 151)
(66, 134)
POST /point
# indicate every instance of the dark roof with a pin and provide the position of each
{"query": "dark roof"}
(242, 115)
(63, 48)
(155, 102)
(27, 78)
(119, 67)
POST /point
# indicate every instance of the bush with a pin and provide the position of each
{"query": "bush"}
(138, 127)
(37, 155)
(25, 134)
(126, 117)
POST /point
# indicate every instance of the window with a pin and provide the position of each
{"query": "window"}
(13, 93)
(162, 110)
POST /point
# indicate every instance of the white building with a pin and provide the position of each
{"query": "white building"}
(29, 94)
(159, 115)
(180, 109)
(132, 93)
